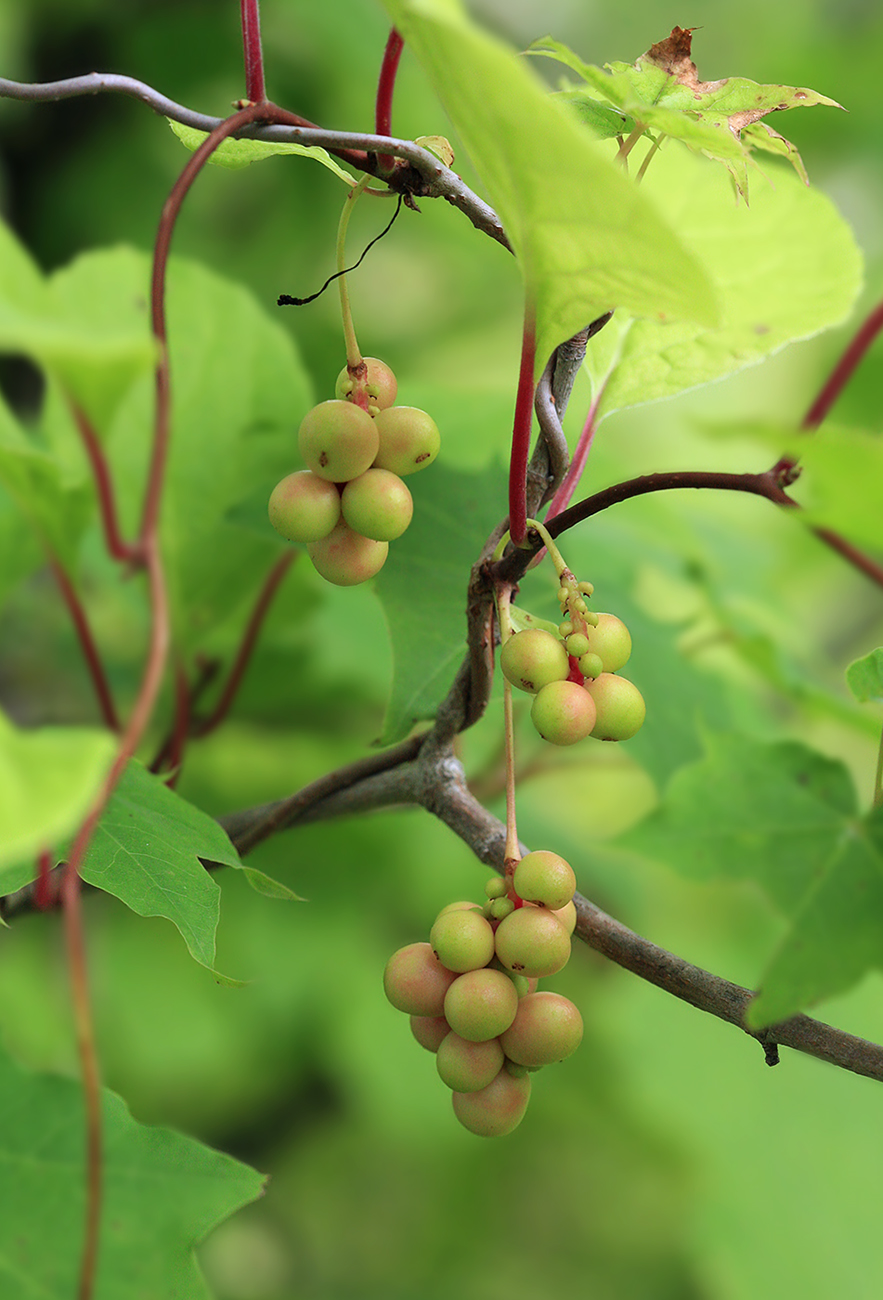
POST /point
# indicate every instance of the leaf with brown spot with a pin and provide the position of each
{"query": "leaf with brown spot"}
(662, 92)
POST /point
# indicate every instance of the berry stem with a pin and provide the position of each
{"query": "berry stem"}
(845, 368)
(255, 91)
(521, 428)
(385, 87)
(353, 355)
(512, 852)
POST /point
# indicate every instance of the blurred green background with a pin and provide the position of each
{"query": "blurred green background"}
(664, 1161)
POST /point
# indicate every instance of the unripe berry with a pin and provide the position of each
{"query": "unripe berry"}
(347, 558)
(304, 507)
(409, 439)
(379, 386)
(560, 715)
(495, 1110)
(377, 504)
(481, 1004)
(466, 1066)
(462, 940)
(590, 665)
(532, 942)
(533, 658)
(611, 642)
(338, 440)
(566, 916)
(544, 878)
(576, 644)
(416, 982)
(547, 1027)
(619, 705)
(430, 1031)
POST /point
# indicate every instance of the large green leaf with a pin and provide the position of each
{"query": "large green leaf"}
(146, 851)
(662, 91)
(422, 587)
(783, 269)
(48, 780)
(162, 1193)
(238, 395)
(786, 817)
(586, 237)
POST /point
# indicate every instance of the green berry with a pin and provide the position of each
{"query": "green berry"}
(611, 642)
(377, 504)
(533, 658)
(347, 558)
(563, 713)
(567, 916)
(496, 887)
(378, 387)
(545, 878)
(304, 507)
(338, 441)
(590, 665)
(619, 705)
(547, 1027)
(576, 644)
(480, 1004)
(466, 1066)
(495, 1110)
(409, 439)
(500, 907)
(416, 982)
(532, 942)
(462, 940)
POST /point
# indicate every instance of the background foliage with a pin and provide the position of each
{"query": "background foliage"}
(665, 1160)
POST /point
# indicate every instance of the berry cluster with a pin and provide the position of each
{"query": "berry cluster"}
(471, 992)
(350, 502)
(572, 671)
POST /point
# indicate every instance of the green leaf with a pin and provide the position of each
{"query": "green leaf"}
(241, 153)
(146, 851)
(239, 393)
(604, 122)
(586, 237)
(757, 258)
(864, 676)
(837, 464)
(162, 1194)
(261, 883)
(785, 817)
(837, 936)
(662, 91)
(48, 780)
(87, 326)
(56, 511)
(421, 587)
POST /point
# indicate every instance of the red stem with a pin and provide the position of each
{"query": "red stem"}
(561, 499)
(195, 164)
(385, 86)
(843, 371)
(521, 430)
(87, 645)
(237, 672)
(255, 91)
(117, 547)
(44, 893)
(172, 754)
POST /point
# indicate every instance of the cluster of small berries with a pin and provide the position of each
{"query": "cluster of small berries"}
(471, 992)
(572, 671)
(350, 502)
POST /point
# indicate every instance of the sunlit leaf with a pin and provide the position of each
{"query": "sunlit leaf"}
(586, 238)
(757, 258)
(49, 777)
(662, 92)
(864, 676)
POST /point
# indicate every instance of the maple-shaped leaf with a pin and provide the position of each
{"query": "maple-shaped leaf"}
(662, 93)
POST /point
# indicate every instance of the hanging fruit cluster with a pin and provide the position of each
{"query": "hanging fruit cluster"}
(351, 502)
(471, 991)
(572, 669)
